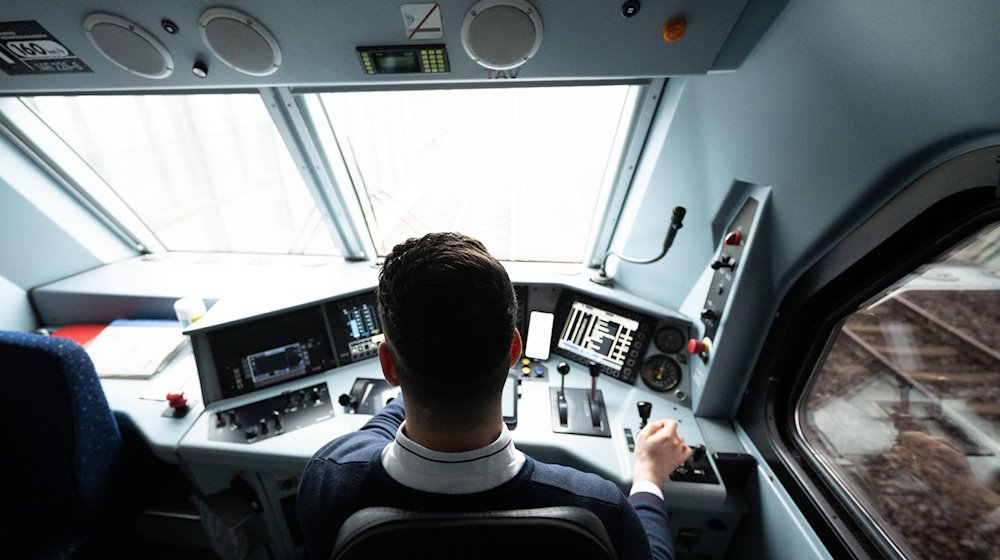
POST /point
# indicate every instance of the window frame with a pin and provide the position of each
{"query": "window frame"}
(806, 321)
(39, 142)
(327, 178)
(870, 518)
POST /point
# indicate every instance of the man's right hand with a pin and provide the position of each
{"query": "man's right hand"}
(659, 449)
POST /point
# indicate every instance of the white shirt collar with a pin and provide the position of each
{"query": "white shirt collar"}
(420, 468)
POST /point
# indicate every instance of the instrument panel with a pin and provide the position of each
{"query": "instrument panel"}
(626, 343)
(259, 352)
(254, 353)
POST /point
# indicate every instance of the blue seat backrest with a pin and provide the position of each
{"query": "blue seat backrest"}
(61, 443)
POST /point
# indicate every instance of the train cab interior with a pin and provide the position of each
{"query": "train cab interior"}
(773, 221)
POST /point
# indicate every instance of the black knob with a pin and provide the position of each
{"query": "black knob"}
(595, 369)
(698, 453)
(708, 314)
(276, 416)
(347, 400)
(562, 368)
(262, 425)
(645, 409)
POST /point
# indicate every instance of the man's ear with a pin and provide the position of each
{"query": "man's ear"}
(388, 362)
(515, 348)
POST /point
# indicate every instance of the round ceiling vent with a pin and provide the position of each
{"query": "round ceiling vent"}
(128, 45)
(240, 41)
(501, 34)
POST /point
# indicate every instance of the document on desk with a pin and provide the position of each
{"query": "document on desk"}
(135, 348)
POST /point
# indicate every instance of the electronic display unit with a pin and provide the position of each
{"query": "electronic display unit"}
(270, 350)
(357, 329)
(406, 59)
(592, 331)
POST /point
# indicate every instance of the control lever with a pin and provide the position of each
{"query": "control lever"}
(563, 369)
(697, 456)
(348, 401)
(595, 407)
(645, 409)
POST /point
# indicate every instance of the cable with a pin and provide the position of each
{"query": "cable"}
(676, 223)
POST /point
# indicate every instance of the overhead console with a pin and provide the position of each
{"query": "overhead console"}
(373, 43)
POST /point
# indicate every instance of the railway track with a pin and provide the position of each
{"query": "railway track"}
(914, 334)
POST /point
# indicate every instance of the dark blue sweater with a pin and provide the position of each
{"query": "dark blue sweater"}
(346, 475)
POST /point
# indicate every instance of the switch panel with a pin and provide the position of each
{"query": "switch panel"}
(725, 265)
(273, 416)
(698, 468)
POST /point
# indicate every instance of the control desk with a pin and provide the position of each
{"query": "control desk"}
(266, 390)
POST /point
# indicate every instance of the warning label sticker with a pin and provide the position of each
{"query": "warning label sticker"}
(422, 21)
(27, 48)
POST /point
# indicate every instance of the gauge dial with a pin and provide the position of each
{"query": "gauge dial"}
(661, 373)
(669, 340)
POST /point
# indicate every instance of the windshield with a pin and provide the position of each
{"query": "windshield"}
(524, 169)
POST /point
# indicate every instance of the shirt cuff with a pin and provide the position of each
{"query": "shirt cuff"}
(646, 486)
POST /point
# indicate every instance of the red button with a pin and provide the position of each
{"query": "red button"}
(733, 238)
(696, 346)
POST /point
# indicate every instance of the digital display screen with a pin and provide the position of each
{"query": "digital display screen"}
(598, 334)
(405, 59)
(271, 350)
(360, 330)
(271, 364)
(396, 62)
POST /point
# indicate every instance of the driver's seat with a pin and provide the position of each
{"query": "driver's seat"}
(551, 533)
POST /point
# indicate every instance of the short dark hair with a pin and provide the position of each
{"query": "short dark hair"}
(448, 310)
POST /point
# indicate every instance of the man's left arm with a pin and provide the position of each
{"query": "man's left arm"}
(387, 421)
(318, 504)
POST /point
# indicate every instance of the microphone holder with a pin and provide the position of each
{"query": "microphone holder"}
(676, 222)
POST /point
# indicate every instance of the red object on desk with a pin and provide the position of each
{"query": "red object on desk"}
(176, 400)
(80, 333)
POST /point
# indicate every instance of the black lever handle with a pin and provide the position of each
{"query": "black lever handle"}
(563, 409)
(563, 369)
(645, 409)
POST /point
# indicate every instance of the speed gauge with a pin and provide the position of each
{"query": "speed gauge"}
(661, 373)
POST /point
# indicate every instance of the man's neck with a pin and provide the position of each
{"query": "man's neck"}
(449, 440)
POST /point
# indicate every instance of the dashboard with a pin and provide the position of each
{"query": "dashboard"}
(264, 351)
(279, 384)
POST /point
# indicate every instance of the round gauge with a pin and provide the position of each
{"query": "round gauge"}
(670, 340)
(661, 373)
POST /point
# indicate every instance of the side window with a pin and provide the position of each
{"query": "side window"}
(903, 411)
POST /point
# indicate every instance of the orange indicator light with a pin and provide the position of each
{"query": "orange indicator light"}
(674, 29)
